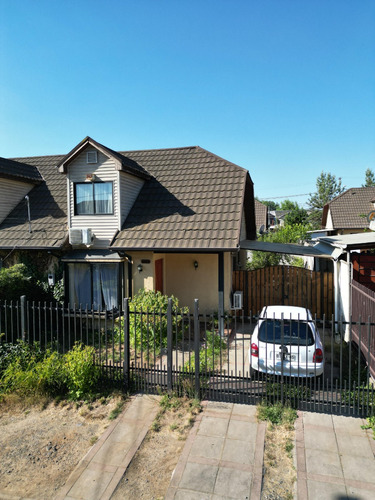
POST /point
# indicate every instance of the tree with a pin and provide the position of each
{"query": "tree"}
(327, 188)
(369, 178)
(272, 205)
(286, 234)
(296, 216)
(288, 205)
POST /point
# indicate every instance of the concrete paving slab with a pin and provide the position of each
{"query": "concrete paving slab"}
(237, 451)
(199, 477)
(323, 440)
(241, 430)
(326, 491)
(91, 486)
(347, 425)
(217, 406)
(245, 410)
(354, 445)
(358, 468)
(233, 483)
(319, 419)
(324, 463)
(360, 494)
(212, 426)
(191, 495)
(208, 447)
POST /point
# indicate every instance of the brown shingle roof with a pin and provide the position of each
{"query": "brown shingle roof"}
(260, 215)
(47, 207)
(194, 201)
(348, 209)
(19, 171)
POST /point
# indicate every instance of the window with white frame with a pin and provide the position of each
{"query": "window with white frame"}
(93, 198)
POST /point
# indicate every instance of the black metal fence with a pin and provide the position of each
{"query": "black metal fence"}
(185, 352)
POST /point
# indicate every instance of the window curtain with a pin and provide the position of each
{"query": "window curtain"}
(105, 285)
(103, 198)
(80, 285)
(84, 199)
(109, 279)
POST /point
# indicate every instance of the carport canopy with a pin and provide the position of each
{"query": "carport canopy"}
(318, 250)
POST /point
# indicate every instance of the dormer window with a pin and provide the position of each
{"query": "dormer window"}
(93, 198)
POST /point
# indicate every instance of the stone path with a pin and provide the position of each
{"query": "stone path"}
(223, 456)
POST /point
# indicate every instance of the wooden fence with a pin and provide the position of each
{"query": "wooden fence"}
(286, 285)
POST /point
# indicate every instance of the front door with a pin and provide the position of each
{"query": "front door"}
(159, 285)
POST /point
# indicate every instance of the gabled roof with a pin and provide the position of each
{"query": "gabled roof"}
(261, 218)
(48, 211)
(349, 209)
(121, 161)
(19, 171)
(194, 201)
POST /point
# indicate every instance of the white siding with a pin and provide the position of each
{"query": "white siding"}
(104, 227)
(11, 193)
(130, 187)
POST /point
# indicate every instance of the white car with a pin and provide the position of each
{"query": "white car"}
(286, 342)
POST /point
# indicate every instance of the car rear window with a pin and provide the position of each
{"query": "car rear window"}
(286, 332)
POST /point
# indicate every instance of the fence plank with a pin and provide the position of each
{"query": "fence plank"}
(286, 285)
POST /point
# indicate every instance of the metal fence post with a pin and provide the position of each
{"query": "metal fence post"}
(169, 345)
(23, 317)
(196, 348)
(126, 344)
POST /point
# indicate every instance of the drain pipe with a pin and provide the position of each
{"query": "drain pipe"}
(28, 212)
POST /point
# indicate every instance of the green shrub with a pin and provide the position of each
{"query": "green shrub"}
(209, 353)
(81, 373)
(152, 333)
(20, 351)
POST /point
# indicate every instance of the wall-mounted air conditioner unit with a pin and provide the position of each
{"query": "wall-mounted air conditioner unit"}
(237, 300)
(87, 236)
(75, 236)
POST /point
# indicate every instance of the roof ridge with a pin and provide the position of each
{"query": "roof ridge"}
(157, 149)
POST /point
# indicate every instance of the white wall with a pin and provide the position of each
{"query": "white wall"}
(104, 227)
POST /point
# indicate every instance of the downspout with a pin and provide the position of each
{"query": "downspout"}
(350, 278)
(336, 290)
(28, 212)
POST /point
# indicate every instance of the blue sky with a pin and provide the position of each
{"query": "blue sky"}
(284, 88)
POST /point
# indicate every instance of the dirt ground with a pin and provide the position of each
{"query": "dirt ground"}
(279, 474)
(41, 444)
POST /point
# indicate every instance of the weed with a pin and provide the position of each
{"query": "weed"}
(93, 440)
(276, 414)
(117, 410)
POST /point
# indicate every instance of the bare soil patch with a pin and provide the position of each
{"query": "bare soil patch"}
(41, 444)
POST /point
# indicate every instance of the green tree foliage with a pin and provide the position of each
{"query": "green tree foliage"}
(296, 216)
(285, 234)
(369, 178)
(272, 205)
(327, 188)
(288, 205)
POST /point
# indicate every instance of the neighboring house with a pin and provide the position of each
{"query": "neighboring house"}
(261, 217)
(347, 213)
(168, 220)
(276, 218)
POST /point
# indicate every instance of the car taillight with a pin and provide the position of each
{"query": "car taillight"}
(318, 356)
(254, 350)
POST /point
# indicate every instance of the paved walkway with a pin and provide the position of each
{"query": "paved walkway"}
(222, 457)
(98, 474)
(335, 458)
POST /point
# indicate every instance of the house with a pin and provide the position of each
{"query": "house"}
(348, 212)
(261, 217)
(169, 220)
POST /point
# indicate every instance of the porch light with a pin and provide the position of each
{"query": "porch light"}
(195, 264)
(140, 268)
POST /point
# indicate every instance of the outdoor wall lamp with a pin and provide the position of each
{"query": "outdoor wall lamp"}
(140, 268)
(195, 264)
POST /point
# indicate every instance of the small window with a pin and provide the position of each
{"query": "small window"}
(92, 157)
(94, 198)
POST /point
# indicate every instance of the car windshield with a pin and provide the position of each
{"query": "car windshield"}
(276, 331)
